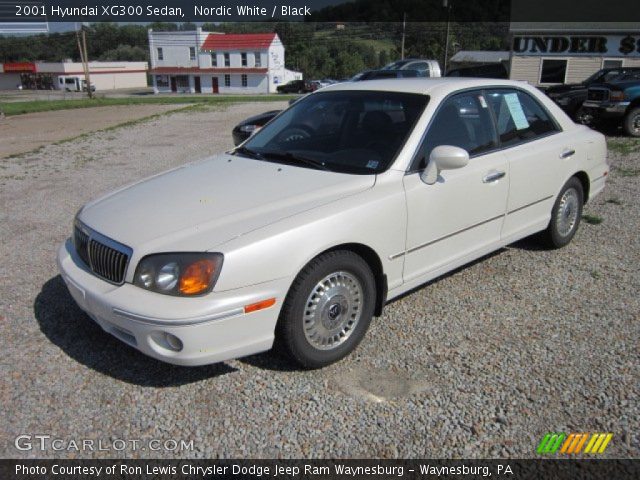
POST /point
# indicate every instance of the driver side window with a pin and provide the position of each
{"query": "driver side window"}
(464, 121)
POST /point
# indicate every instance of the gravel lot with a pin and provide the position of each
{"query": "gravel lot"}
(482, 362)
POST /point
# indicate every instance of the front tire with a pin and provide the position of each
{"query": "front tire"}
(328, 309)
(565, 215)
(631, 122)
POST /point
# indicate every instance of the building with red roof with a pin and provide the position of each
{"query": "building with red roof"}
(208, 62)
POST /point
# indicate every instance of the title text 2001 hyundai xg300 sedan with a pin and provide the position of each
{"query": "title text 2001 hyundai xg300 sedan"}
(351, 197)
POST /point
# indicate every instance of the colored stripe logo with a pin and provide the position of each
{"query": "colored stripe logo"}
(573, 443)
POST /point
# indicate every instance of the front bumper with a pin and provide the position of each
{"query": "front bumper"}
(212, 328)
(606, 109)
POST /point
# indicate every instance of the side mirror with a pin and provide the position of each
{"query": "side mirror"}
(443, 157)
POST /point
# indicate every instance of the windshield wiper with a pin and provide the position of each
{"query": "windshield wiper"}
(249, 153)
(290, 156)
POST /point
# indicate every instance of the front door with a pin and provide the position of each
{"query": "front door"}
(461, 215)
(197, 85)
(174, 84)
(214, 84)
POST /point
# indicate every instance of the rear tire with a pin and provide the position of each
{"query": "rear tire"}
(631, 122)
(565, 215)
(328, 309)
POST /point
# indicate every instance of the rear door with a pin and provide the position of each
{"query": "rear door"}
(535, 147)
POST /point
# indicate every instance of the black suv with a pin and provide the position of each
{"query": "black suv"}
(571, 96)
(294, 86)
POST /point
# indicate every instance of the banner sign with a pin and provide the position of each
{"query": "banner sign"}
(577, 45)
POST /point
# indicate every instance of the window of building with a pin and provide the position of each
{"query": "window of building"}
(192, 53)
(244, 80)
(243, 58)
(612, 64)
(214, 59)
(160, 54)
(227, 80)
(257, 59)
(182, 81)
(553, 71)
(227, 59)
(519, 117)
(162, 81)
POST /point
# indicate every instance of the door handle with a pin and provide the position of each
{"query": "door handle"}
(567, 153)
(493, 176)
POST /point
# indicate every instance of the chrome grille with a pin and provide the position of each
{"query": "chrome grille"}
(106, 258)
(598, 94)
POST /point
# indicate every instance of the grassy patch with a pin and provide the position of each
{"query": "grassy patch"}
(614, 201)
(592, 219)
(18, 108)
(595, 274)
(627, 172)
(624, 146)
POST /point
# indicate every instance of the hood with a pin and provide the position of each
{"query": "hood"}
(568, 87)
(200, 205)
(260, 119)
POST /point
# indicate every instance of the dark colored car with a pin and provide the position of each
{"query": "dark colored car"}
(384, 74)
(245, 129)
(618, 100)
(294, 86)
(571, 96)
(494, 70)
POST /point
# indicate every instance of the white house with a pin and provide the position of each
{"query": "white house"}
(204, 62)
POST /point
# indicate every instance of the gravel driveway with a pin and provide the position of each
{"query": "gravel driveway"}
(482, 362)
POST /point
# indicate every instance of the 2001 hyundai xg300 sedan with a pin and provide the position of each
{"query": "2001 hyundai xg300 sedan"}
(351, 197)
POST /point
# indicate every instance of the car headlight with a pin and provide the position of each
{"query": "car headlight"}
(179, 274)
(248, 128)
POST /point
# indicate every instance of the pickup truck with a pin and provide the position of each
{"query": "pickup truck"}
(618, 100)
(571, 96)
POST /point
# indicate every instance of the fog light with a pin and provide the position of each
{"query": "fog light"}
(174, 342)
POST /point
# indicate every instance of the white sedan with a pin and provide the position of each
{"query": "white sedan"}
(353, 196)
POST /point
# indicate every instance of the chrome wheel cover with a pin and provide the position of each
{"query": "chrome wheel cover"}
(567, 215)
(333, 310)
(635, 124)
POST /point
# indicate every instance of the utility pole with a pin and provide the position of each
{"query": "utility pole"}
(404, 27)
(447, 5)
(84, 58)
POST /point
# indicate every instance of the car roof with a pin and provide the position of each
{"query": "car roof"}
(426, 86)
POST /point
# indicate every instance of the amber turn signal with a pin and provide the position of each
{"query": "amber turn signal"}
(196, 277)
(254, 307)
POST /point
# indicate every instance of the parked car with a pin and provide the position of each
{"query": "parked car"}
(349, 198)
(493, 70)
(571, 96)
(618, 100)
(249, 126)
(294, 86)
(429, 68)
(385, 74)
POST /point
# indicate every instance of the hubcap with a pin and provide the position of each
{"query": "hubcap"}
(567, 216)
(333, 310)
(636, 124)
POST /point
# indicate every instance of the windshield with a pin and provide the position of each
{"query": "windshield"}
(347, 131)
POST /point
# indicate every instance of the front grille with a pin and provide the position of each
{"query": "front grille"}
(106, 258)
(598, 94)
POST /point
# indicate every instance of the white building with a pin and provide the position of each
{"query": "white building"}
(204, 62)
(63, 75)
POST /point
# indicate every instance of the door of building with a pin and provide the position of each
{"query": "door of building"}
(174, 84)
(198, 86)
(214, 84)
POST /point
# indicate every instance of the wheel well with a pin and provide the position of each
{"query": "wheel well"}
(584, 180)
(634, 103)
(373, 260)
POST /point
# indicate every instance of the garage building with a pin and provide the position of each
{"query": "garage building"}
(546, 54)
